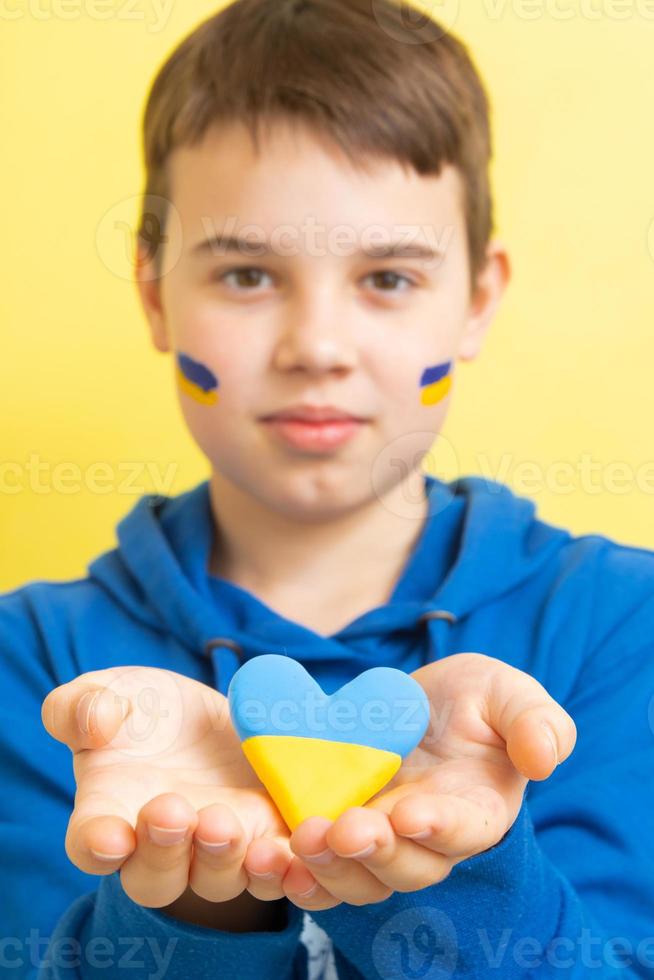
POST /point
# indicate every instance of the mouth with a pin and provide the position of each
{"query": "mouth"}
(314, 413)
(314, 436)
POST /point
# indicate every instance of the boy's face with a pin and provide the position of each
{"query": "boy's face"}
(314, 321)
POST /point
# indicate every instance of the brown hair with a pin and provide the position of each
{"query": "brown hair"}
(352, 70)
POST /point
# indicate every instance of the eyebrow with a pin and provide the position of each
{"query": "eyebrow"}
(228, 243)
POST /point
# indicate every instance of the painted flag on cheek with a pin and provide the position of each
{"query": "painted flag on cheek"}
(436, 383)
(196, 380)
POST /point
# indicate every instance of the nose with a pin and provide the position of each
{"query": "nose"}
(314, 336)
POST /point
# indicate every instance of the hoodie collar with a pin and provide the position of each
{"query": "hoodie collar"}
(479, 540)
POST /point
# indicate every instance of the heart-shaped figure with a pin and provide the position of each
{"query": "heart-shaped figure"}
(320, 754)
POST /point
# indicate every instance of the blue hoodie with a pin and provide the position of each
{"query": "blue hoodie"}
(568, 891)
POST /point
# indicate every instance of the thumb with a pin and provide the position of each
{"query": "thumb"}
(539, 733)
(83, 714)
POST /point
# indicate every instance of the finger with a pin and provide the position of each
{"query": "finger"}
(219, 847)
(302, 888)
(399, 864)
(452, 825)
(266, 862)
(342, 876)
(157, 872)
(539, 733)
(82, 714)
(100, 834)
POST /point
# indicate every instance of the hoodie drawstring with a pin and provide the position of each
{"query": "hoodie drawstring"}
(227, 655)
(438, 622)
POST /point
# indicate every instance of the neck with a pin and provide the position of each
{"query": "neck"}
(363, 549)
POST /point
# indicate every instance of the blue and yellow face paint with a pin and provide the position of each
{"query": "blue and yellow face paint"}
(196, 380)
(436, 383)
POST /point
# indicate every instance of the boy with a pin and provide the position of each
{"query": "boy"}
(315, 392)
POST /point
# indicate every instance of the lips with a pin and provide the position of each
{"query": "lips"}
(313, 413)
(314, 436)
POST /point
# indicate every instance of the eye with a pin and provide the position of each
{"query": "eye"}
(246, 276)
(388, 276)
(249, 277)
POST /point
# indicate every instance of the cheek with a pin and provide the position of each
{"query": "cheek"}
(213, 365)
(217, 380)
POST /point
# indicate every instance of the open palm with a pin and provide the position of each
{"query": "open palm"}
(455, 795)
(484, 742)
(175, 762)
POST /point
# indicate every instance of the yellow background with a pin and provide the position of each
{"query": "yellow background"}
(567, 368)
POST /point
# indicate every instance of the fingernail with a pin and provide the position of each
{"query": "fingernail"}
(550, 734)
(264, 874)
(101, 856)
(213, 848)
(365, 852)
(323, 857)
(165, 836)
(85, 719)
(311, 891)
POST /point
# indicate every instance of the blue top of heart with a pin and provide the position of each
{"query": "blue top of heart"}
(383, 707)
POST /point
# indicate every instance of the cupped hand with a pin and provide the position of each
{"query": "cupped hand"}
(164, 790)
(492, 728)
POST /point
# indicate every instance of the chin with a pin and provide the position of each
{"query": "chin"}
(314, 494)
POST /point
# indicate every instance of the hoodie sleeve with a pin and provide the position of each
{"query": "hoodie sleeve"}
(126, 936)
(569, 890)
(56, 921)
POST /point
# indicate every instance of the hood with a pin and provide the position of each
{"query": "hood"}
(478, 542)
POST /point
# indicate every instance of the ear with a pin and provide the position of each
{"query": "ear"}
(149, 288)
(489, 289)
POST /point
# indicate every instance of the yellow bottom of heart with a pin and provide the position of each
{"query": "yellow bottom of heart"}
(309, 777)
